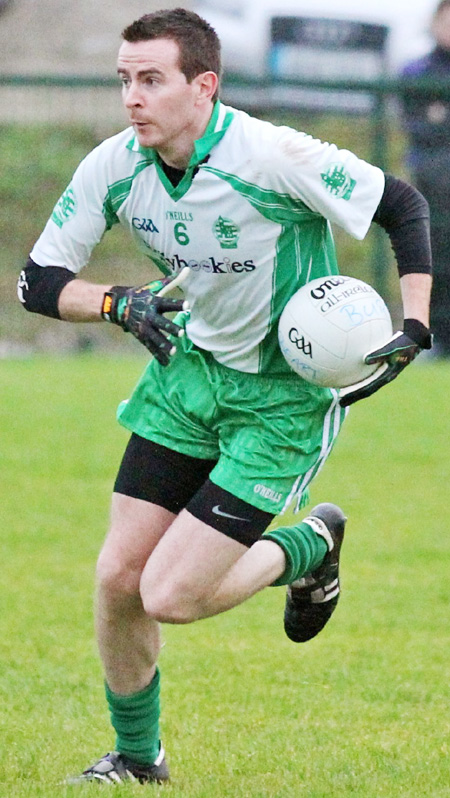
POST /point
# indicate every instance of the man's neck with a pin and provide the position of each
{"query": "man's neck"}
(179, 153)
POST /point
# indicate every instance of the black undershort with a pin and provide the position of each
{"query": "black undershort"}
(175, 481)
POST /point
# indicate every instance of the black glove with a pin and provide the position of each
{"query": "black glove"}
(139, 311)
(393, 357)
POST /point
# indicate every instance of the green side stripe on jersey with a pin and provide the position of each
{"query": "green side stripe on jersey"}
(273, 205)
(304, 251)
(117, 194)
(284, 278)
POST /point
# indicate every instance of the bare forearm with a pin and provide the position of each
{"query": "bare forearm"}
(81, 301)
(416, 290)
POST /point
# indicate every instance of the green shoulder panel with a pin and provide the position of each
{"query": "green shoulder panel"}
(118, 192)
(275, 206)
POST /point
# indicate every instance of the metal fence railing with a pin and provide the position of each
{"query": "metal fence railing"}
(82, 98)
(94, 101)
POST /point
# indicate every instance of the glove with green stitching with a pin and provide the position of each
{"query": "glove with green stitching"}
(140, 311)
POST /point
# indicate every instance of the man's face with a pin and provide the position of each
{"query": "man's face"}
(161, 104)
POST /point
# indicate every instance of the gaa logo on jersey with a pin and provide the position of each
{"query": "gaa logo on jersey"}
(65, 208)
(338, 181)
(227, 232)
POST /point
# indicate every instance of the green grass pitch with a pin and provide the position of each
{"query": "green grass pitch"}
(360, 712)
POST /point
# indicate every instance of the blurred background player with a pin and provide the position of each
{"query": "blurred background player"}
(427, 121)
(224, 435)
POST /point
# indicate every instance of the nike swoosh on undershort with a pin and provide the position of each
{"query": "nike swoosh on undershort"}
(217, 511)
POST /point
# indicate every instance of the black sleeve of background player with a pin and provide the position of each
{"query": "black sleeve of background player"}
(39, 287)
(404, 213)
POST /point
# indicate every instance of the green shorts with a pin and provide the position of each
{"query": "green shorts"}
(269, 435)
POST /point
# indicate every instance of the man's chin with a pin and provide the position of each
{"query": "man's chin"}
(143, 137)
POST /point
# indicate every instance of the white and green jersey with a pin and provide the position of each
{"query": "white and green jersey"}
(251, 218)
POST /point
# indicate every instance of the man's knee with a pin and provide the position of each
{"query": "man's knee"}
(168, 603)
(115, 576)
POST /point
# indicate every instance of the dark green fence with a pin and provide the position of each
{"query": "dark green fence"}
(95, 101)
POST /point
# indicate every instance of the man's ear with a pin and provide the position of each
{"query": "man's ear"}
(206, 84)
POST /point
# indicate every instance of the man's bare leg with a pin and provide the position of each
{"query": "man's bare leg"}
(157, 567)
(196, 571)
(128, 639)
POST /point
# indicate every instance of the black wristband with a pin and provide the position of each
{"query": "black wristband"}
(110, 301)
(418, 333)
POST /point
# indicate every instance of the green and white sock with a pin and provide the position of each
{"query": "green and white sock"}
(135, 718)
(304, 549)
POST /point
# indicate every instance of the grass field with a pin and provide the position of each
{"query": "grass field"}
(360, 712)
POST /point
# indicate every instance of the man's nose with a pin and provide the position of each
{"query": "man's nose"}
(133, 95)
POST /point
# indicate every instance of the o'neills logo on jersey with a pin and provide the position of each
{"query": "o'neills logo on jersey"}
(267, 493)
(227, 232)
(223, 266)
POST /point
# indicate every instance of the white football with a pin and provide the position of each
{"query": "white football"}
(327, 328)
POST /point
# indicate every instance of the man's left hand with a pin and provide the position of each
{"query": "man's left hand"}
(393, 357)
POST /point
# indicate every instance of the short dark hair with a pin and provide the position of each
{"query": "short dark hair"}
(198, 42)
(441, 7)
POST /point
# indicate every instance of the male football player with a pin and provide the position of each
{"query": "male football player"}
(223, 436)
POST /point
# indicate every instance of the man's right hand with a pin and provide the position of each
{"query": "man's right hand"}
(140, 311)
